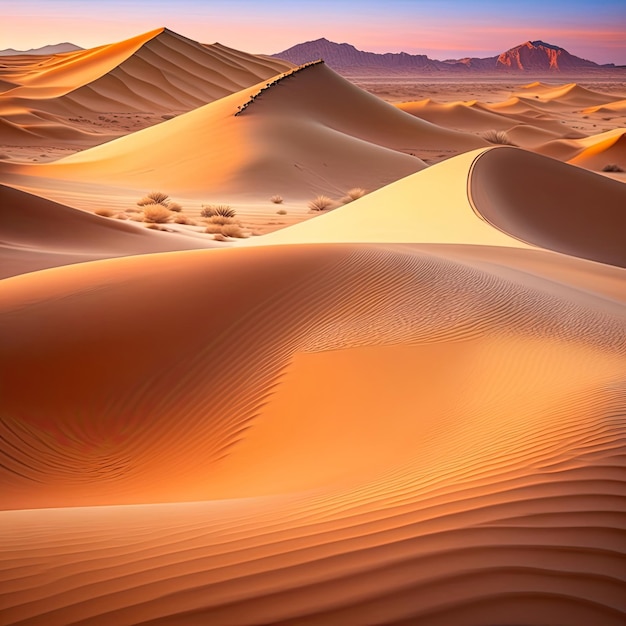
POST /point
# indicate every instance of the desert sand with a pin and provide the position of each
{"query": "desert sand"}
(405, 408)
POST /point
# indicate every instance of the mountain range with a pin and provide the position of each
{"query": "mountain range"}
(57, 48)
(531, 56)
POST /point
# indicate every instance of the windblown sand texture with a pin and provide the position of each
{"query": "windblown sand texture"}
(409, 409)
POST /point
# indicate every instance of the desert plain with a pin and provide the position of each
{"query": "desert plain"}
(281, 345)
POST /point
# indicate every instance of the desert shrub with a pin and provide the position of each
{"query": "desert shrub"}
(281, 212)
(321, 203)
(174, 206)
(155, 197)
(612, 167)
(220, 219)
(211, 210)
(104, 212)
(156, 214)
(183, 219)
(232, 230)
(276, 199)
(213, 229)
(353, 194)
(499, 137)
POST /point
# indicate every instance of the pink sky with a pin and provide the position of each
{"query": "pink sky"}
(441, 28)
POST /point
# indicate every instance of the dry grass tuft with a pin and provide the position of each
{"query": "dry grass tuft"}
(233, 230)
(219, 237)
(211, 210)
(353, 194)
(156, 214)
(183, 219)
(612, 167)
(213, 229)
(104, 212)
(321, 203)
(220, 219)
(174, 206)
(276, 199)
(499, 137)
(155, 197)
(281, 212)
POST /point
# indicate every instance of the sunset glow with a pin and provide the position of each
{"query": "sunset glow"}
(441, 29)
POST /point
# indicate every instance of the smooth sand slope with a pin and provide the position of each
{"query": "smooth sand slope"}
(551, 204)
(37, 234)
(499, 197)
(292, 140)
(380, 434)
(159, 72)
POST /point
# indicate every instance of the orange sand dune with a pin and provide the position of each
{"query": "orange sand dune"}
(431, 206)
(619, 106)
(158, 72)
(457, 115)
(601, 150)
(499, 196)
(551, 204)
(37, 234)
(570, 94)
(381, 434)
(293, 140)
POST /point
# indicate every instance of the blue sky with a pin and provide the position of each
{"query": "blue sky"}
(439, 28)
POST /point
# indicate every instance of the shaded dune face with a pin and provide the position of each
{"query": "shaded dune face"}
(452, 456)
(39, 234)
(546, 203)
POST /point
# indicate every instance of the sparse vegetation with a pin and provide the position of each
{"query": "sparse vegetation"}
(281, 212)
(156, 214)
(220, 220)
(183, 219)
(499, 137)
(233, 230)
(612, 167)
(353, 194)
(213, 229)
(321, 203)
(155, 197)
(174, 206)
(276, 199)
(212, 210)
(104, 212)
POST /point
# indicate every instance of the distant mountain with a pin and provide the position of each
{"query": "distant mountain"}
(531, 56)
(344, 55)
(56, 48)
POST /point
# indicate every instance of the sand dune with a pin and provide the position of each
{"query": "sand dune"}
(292, 140)
(37, 234)
(414, 209)
(449, 504)
(547, 203)
(602, 150)
(157, 72)
(570, 94)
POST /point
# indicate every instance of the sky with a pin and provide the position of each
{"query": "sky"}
(442, 29)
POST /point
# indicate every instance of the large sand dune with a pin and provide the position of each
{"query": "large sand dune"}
(155, 73)
(293, 139)
(376, 430)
